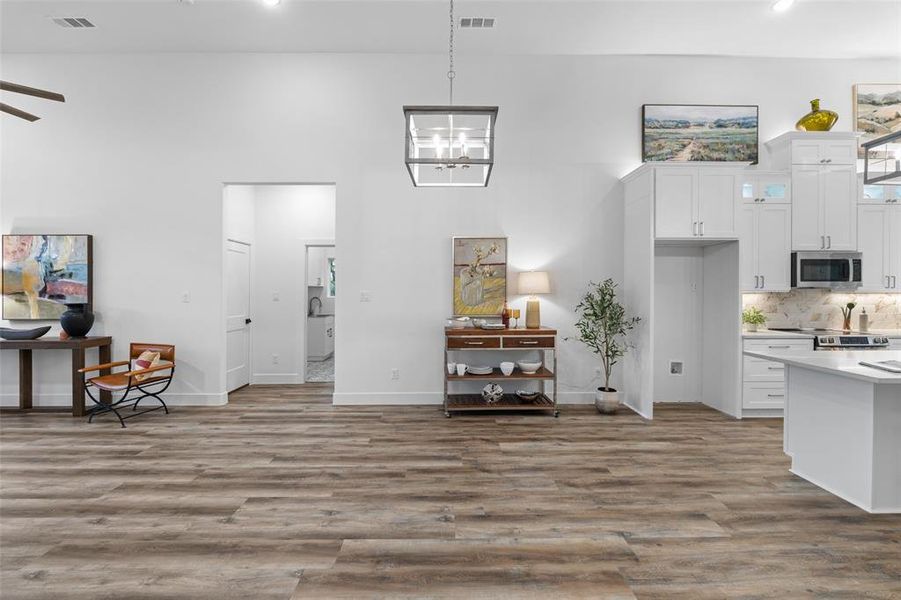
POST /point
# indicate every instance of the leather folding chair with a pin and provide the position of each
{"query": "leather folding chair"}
(134, 385)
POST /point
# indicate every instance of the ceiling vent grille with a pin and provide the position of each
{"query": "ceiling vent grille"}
(477, 23)
(72, 22)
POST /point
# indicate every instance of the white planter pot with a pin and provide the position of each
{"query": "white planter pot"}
(607, 402)
(752, 327)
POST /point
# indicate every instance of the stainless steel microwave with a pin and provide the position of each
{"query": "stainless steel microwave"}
(834, 270)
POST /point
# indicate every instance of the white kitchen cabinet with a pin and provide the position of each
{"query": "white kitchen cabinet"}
(879, 233)
(824, 207)
(894, 343)
(763, 381)
(765, 247)
(692, 202)
(320, 337)
(823, 151)
(880, 194)
(773, 188)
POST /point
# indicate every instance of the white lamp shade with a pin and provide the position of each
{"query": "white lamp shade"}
(534, 282)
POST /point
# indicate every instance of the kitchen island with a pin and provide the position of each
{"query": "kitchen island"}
(843, 424)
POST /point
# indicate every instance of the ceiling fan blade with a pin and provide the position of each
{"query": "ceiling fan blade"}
(12, 110)
(7, 86)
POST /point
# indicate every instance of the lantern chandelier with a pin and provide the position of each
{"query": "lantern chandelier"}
(450, 146)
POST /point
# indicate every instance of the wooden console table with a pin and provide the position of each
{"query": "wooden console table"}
(489, 342)
(78, 347)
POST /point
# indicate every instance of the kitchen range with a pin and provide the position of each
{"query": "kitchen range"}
(837, 339)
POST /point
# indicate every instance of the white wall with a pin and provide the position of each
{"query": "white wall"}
(678, 321)
(138, 155)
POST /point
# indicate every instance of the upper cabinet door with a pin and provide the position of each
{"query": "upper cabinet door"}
(838, 188)
(806, 227)
(716, 203)
(806, 152)
(774, 241)
(746, 225)
(774, 189)
(875, 228)
(676, 191)
(839, 152)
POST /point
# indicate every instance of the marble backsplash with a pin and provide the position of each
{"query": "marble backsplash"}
(821, 308)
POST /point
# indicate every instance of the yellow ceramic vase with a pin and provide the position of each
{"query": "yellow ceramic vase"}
(816, 119)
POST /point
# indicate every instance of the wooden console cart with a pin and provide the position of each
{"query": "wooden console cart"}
(490, 343)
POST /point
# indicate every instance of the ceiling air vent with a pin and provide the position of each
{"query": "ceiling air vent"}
(72, 22)
(477, 23)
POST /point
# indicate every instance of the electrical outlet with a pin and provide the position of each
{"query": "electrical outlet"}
(675, 367)
(395, 374)
(275, 359)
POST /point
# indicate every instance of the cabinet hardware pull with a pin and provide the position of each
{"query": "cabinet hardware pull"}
(775, 395)
(894, 281)
(828, 242)
(528, 342)
(474, 343)
(757, 282)
(694, 228)
(763, 281)
(776, 368)
(778, 347)
(888, 281)
(702, 227)
(822, 242)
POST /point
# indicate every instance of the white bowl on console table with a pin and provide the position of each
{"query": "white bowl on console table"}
(529, 368)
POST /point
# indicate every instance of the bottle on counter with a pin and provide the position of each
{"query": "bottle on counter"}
(864, 321)
(505, 316)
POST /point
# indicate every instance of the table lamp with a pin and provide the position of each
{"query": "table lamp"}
(531, 283)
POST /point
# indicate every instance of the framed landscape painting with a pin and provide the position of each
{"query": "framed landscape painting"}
(877, 111)
(699, 132)
(43, 273)
(480, 276)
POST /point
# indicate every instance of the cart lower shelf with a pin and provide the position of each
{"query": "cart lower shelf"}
(475, 402)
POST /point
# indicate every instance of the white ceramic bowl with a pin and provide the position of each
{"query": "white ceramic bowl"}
(507, 368)
(529, 368)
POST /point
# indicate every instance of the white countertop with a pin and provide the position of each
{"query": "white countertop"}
(765, 334)
(842, 362)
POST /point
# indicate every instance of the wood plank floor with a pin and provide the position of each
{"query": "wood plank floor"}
(279, 495)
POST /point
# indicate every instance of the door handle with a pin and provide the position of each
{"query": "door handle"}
(894, 281)
(247, 321)
(828, 242)
(694, 228)
(888, 281)
(757, 282)
(763, 281)
(702, 227)
(822, 242)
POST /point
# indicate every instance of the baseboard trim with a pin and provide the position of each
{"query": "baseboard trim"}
(65, 400)
(276, 379)
(429, 398)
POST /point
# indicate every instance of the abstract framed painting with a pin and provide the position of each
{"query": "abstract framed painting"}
(43, 273)
(479, 276)
(877, 111)
(699, 132)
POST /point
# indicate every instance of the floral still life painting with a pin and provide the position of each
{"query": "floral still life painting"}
(43, 273)
(480, 276)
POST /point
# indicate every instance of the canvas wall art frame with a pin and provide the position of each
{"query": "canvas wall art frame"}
(877, 111)
(44, 272)
(700, 132)
(479, 276)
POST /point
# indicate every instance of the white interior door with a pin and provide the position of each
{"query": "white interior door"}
(237, 311)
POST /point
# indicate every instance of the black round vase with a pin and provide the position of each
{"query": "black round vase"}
(77, 320)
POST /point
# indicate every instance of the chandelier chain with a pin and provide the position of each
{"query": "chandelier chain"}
(451, 74)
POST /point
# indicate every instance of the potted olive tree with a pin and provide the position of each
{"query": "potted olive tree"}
(603, 326)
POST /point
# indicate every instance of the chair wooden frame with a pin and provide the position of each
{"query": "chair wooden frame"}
(146, 389)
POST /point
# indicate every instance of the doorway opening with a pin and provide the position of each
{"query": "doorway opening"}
(279, 283)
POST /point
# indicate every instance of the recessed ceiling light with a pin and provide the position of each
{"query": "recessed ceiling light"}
(782, 5)
(271, 2)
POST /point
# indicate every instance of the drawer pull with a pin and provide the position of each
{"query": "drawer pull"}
(778, 347)
(528, 342)
(775, 395)
(776, 368)
(474, 343)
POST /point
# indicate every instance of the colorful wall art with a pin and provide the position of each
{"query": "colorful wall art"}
(877, 110)
(480, 276)
(43, 273)
(698, 132)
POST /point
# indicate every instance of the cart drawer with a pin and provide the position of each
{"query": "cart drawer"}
(528, 342)
(473, 342)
